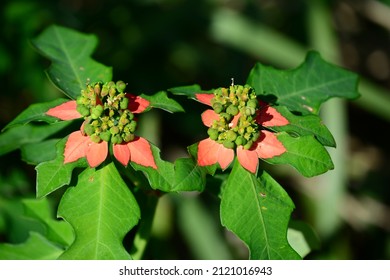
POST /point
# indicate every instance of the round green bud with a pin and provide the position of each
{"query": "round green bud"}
(232, 110)
(124, 103)
(96, 112)
(95, 138)
(218, 107)
(213, 133)
(112, 91)
(231, 135)
(253, 103)
(128, 137)
(105, 136)
(116, 139)
(240, 141)
(248, 145)
(132, 126)
(114, 130)
(88, 129)
(249, 111)
(83, 110)
(121, 86)
(228, 144)
(255, 136)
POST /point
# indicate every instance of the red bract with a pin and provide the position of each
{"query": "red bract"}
(266, 146)
(80, 145)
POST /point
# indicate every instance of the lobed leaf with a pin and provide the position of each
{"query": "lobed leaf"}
(70, 52)
(306, 87)
(15, 137)
(57, 231)
(32, 152)
(54, 174)
(183, 175)
(305, 125)
(36, 247)
(304, 153)
(162, 101)
(258, 211)
(101, 210)
(36, 112)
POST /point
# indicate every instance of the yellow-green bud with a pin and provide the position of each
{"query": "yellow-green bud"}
(213, 133)
(121, 86)
(253, 103)
(240, 141)
(232, 110)
(218, 107)
(95, 138)
(128, 137)
(105, 136)
(83, 110)
(124, 103)
(114, 130)
(229, 144)
(97, 111)
(97, 88)
(132, 126)
(248, 145)
(231, 135)
(88, 129)
(116, 139)
(249, 111)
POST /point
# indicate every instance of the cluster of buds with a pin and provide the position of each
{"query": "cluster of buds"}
(104, 107)
(228, 103)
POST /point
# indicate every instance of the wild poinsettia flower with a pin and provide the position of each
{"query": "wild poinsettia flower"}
(108, 114)
(238, 123)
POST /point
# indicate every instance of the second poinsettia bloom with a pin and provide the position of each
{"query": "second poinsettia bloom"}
(238, 124)
(109, 118)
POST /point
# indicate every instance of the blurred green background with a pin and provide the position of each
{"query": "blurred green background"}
(158, 44)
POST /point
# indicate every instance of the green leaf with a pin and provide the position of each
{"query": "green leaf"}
(304, 153)
(302, 238)
(54, 174)
(183, 175)
(188, 91)
(36, 247)
(57, 231)
(304, 88)
(162, 101)
(15, 137)
(70, 52)
(258, 211)
(305, 125)
(101, 210)
(32, 153)
(36, 112)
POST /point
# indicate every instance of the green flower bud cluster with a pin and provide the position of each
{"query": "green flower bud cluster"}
(229, 102)
(104, 107)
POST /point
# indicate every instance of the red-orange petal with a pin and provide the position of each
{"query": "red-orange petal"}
(248, 159)
(268, 145)
(66, 111)
(137, 104)
(96, 153)
(208, 117)
(75, 147)
(211, 152)
(268, 116)
(204, 98)
(122, 153)
(141, 152)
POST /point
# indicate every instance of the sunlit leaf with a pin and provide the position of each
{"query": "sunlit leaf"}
(101, 210)
(306, 87)
(70, 52)
(258, 211)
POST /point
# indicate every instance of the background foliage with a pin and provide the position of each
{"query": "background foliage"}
(217, 40)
